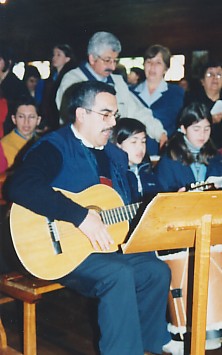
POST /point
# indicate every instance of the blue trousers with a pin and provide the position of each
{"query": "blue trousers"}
(132, 292)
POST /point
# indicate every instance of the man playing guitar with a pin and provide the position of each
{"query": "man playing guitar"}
(132, 290)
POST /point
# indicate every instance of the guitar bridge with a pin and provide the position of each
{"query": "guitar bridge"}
(54, 236)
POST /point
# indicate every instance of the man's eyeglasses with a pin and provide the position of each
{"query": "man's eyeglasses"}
(109, 60)
(107, 115)
(212, 75)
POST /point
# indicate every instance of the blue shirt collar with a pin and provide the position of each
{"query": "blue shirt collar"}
(19, 134)
(151, 98)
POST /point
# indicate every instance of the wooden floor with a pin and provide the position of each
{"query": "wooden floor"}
(66, 324)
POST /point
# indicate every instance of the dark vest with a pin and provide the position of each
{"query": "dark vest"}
(80, 170)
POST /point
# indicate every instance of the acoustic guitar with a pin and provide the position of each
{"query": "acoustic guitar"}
(51, 249)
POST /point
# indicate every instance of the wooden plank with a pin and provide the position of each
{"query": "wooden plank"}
(200, 291)
(3, 338)
(9, 351)
(171, 219)
(25, 287)
(5, 299)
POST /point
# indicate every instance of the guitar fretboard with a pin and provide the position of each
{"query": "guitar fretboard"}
(200, 186)
(119, 214)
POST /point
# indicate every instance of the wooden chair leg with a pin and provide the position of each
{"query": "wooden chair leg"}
(30, 329)
(3, 337)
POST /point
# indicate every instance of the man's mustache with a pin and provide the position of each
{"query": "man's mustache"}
(108, 70)
(107, 129)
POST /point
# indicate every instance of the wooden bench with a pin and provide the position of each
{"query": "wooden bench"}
(29, 290)
(4, 348)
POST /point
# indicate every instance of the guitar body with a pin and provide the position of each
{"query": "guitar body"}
(33, 242)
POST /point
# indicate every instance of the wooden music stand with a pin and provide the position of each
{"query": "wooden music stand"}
(183, 220)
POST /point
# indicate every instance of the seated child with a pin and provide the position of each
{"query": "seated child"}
(26, 119)
(130, 135)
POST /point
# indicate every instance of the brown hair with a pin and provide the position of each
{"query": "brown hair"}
(152, 51)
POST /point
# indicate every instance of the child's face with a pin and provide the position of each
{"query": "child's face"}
(198, 133)
(26, 120)
(135, 146)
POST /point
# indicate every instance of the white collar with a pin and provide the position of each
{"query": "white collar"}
(84, 141)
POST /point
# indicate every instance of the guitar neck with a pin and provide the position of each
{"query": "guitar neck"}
(200, 186)
(119, 214)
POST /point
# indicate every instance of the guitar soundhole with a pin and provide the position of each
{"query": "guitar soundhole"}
(95, 208)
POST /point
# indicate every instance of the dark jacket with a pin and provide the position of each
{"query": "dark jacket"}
(148, 178)
(49, 110)
(172, 174)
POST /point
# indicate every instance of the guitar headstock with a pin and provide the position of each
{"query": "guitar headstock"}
(200, 186)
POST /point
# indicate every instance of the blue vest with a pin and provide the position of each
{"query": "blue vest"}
(79, 170)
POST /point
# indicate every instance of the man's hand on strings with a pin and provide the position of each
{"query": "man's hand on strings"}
(96, 231)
